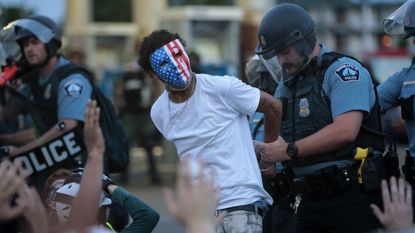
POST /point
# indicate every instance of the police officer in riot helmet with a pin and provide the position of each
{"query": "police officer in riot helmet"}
(329, 112)
(399, 89)
(56, 104)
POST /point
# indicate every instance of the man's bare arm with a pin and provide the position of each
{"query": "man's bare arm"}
(49, 135)
(272, 109)
(19, 138)
(343, 130)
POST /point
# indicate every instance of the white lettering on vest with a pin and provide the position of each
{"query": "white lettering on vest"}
(37, 166)
(52, 148)
(46, 156)
(70, 143)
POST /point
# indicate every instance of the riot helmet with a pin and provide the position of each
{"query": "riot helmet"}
(63, 198)
(283, 26)
(401, 21)
(41, 27)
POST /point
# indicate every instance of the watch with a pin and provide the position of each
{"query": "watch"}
(292, 150)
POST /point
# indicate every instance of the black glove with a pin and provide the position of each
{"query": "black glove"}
(409, 169)
(76, 176)
(105, 182)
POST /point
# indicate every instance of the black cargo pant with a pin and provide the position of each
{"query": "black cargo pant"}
(344, 212)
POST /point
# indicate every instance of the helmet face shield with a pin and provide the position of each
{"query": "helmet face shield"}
(403, 17)
(273, 67)
(251, 73)
(41, 31)
(9, 49)
(286, 62)
(19, 29)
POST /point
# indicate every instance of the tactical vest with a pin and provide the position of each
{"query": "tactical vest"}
(44, 102)
(306, 110)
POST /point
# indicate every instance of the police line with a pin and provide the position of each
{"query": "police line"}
(52, 154)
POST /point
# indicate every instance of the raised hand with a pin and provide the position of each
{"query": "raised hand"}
(397, 205)
(12, 179)
(195, 202)
(94, 140)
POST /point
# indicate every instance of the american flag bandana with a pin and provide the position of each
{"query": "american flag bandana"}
(172, 65)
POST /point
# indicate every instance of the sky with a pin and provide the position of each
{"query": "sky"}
(55, 9)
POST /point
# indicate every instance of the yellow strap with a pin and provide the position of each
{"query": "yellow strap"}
(361, 154)
(110, 227)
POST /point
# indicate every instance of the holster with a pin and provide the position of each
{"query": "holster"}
(280, 187)
(373, 171)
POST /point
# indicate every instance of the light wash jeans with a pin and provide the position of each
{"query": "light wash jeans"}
(240, 221)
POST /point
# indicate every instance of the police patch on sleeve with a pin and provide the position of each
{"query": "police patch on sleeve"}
(347, 72)
(73, 89)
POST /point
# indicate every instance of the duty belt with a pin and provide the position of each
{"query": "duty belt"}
(251, 208)
(326, 182)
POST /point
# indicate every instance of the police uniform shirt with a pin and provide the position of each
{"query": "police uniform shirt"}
(400, 85)
(257, 133)
(73, 94)
(347, 84)
(349, 87)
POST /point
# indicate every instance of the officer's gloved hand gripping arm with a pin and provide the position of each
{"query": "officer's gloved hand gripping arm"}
(343, 130)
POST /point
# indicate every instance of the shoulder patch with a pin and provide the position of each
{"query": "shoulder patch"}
(347, 72)
(73, 89)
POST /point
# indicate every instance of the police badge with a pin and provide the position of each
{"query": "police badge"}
(304, 107)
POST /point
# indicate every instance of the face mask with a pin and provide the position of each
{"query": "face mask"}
(171, 64)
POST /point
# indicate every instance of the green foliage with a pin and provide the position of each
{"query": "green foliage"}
(9, 14)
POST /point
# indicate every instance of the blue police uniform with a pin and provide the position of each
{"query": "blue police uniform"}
(52, 98)
(67, 100)
(73, 95)
(348, 87)
(256, 126)
(328, 195)
(399, 89)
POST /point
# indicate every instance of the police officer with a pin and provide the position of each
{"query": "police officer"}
(56, 104)
(399, 89)
(329, 109)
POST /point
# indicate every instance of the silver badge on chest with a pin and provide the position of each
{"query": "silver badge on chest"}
(304, 107)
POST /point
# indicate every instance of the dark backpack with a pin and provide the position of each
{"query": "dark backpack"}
(116, 156)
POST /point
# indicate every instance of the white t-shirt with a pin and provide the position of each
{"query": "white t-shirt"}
(212, 126)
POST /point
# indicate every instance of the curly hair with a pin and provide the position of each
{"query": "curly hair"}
(151, 43)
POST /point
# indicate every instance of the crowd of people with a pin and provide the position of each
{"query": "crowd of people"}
(298, 148)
